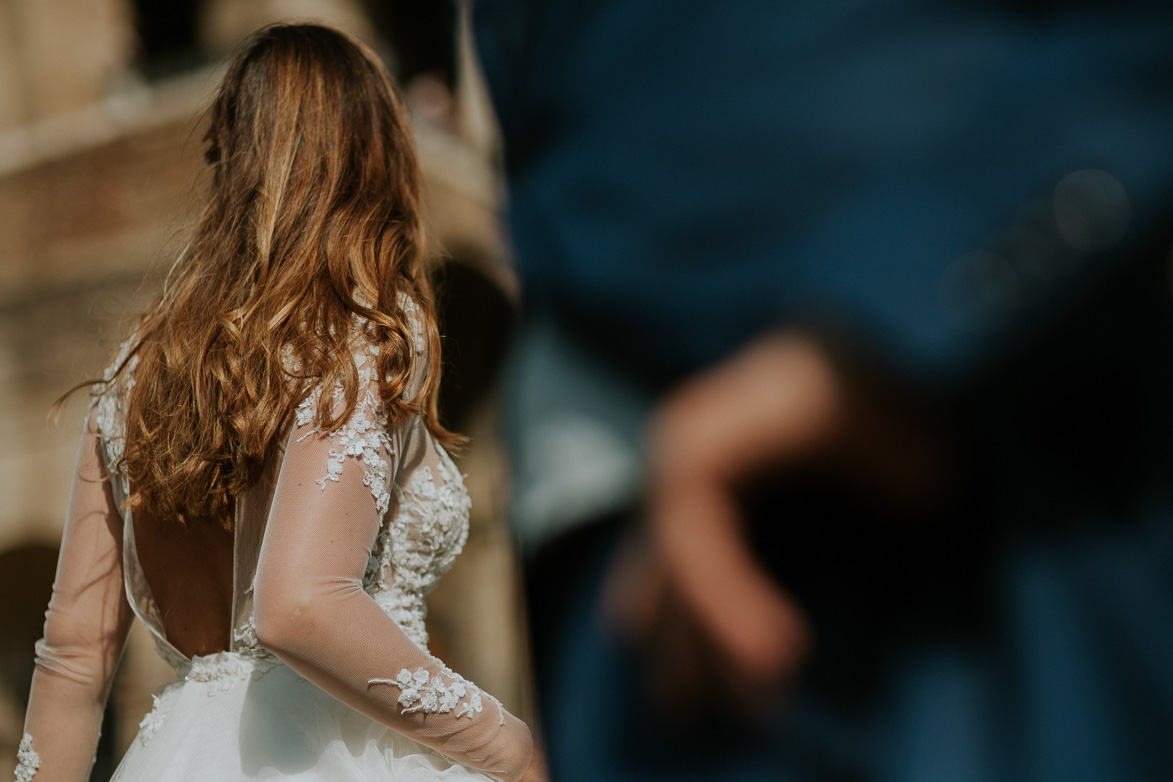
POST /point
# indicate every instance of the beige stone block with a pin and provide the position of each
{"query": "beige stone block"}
(61, 55)
(225, 23)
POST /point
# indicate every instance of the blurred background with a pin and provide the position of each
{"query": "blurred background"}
(101, 175)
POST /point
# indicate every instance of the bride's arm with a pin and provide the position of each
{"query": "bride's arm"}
(85, 632)
(312, 612)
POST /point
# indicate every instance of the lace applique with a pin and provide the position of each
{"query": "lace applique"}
(247, 645)
(109, 412)
(247, 660)
(364, 436)
(409, 612)
(27, 760)
(151, 722)
(419, 340)
(419, 543)
(431, 694)
(220, 670)
(431, 527)
(245, 639)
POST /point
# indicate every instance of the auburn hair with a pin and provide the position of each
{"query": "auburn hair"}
(311, 233)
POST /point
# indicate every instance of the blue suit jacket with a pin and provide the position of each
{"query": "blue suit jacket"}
(977, 194)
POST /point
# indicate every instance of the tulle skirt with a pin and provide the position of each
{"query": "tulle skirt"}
(229, 717)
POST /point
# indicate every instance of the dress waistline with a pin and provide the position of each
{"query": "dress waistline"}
(226, 667)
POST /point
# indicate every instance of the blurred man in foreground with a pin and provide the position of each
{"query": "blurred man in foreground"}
(841, 420)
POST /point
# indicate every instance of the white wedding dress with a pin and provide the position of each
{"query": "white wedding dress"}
(333, 552)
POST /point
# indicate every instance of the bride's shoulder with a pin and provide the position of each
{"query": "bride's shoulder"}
(361, 341)
(415, 322)
(364, 348)
(108, 402)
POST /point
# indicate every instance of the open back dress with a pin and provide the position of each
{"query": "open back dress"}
(326, 674)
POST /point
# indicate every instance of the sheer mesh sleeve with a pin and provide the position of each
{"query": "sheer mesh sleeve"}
(312, 611)
(85, 631)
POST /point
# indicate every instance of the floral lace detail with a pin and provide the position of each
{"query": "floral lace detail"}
(431, 526)
(411, 309)
(244, 639)
(27, 760)
(247, 659)
(364, 436)
(151, 723)
(419, 543)
(409, 612)
(110, 413)
(246, 644)
(420, 540)
(439, 693)
(222, 669)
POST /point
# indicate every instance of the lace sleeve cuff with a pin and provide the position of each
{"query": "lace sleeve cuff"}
(440, 693)
(27, 760)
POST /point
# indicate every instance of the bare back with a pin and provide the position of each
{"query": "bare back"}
(189, 571)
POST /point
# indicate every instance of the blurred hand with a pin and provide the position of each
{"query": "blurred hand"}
(693, 594)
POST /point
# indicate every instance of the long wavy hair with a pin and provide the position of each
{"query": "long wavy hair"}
(312, 231)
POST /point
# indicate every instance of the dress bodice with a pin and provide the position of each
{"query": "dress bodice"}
(319, 589)
(417, 491)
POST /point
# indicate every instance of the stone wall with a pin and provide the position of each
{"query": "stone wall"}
(58, 56)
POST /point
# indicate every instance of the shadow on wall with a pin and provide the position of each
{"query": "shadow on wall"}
(477, 319)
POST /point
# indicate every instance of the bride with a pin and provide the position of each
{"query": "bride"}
(261, 479)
